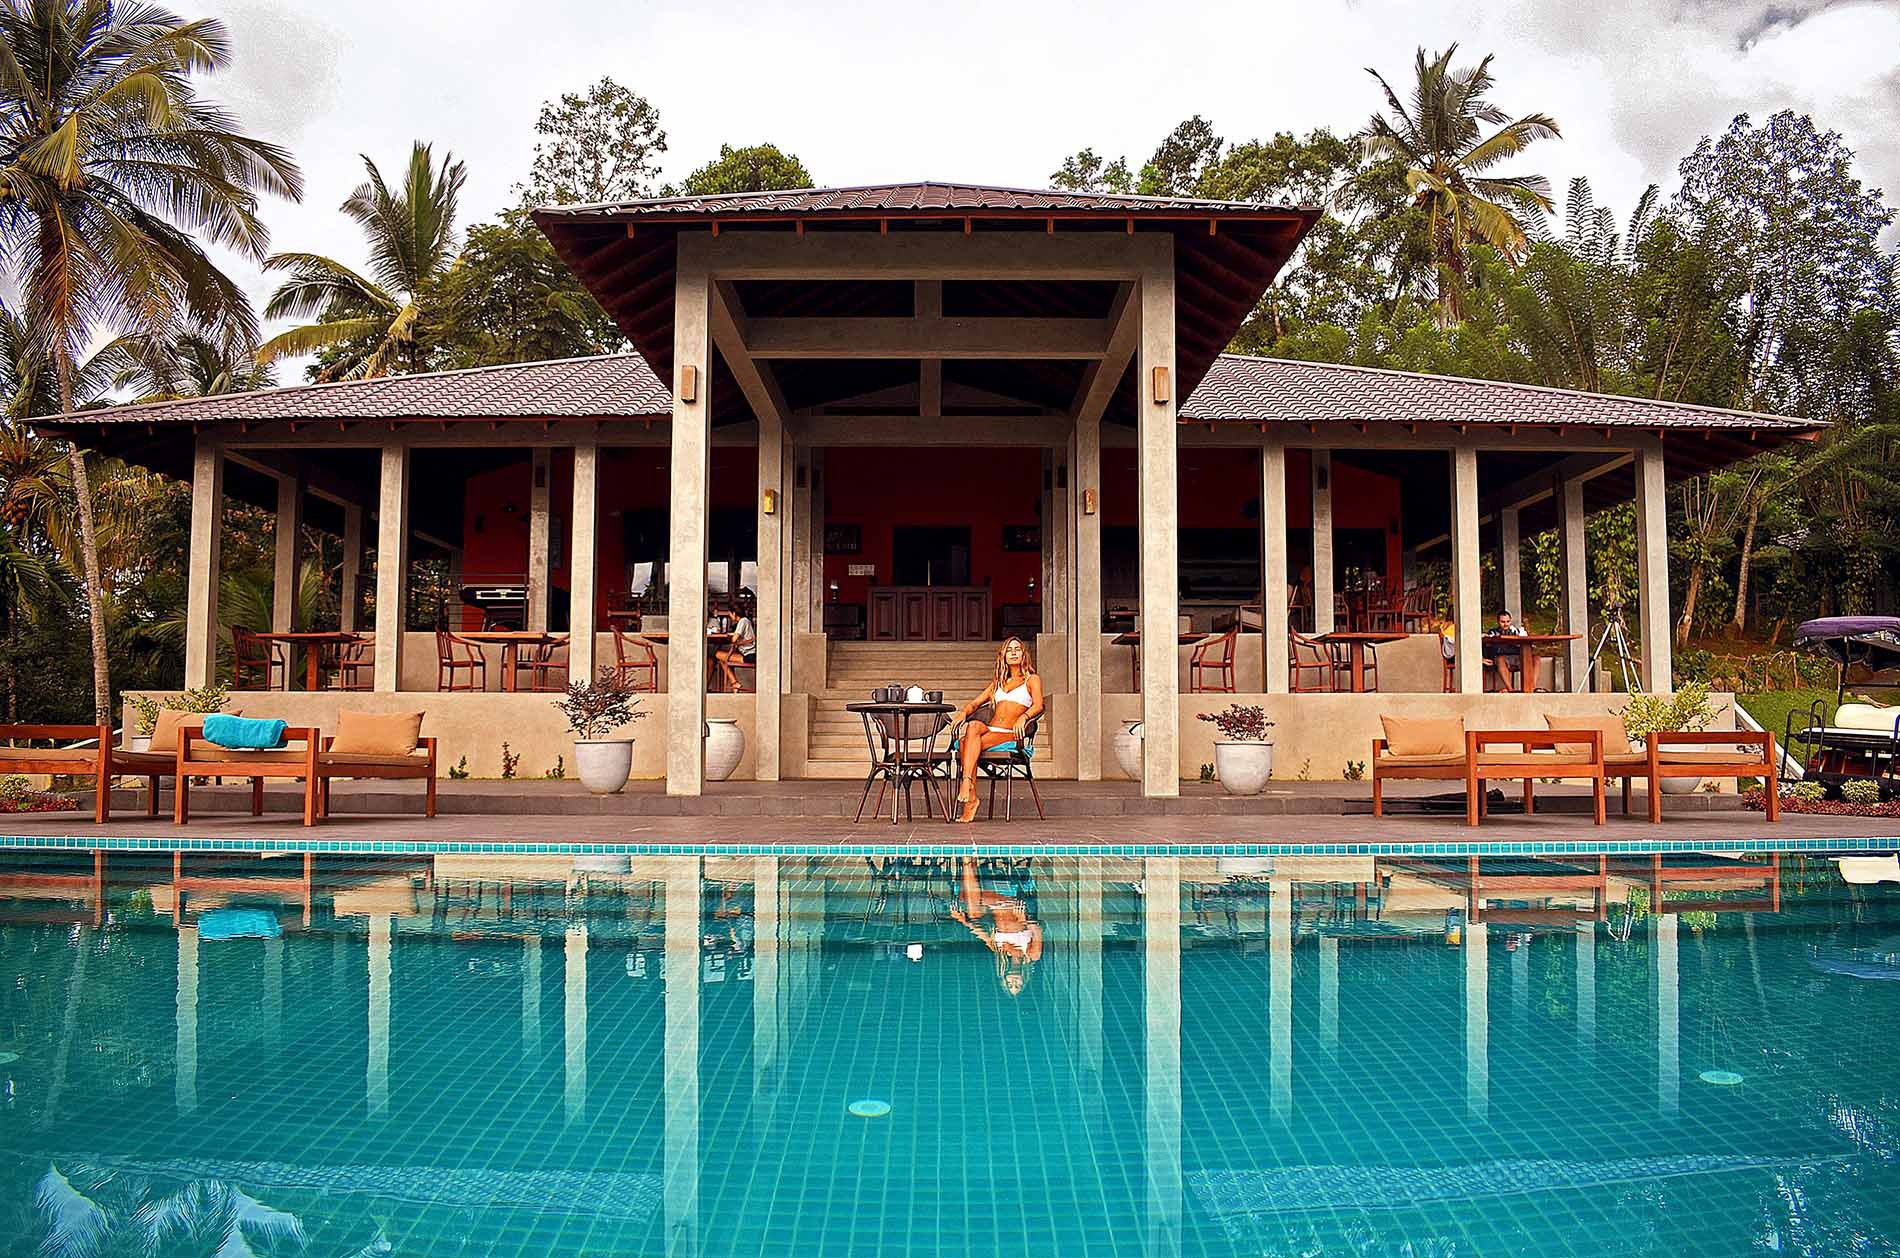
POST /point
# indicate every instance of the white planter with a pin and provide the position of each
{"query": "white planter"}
(725, 747)
(1128, 749)
(1681, 786)
(1243, 768)
(138, 742)
(603, 764)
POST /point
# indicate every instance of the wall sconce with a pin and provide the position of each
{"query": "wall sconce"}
(689, 383)
(769, 503)
(1160, 385)
(1088, 502)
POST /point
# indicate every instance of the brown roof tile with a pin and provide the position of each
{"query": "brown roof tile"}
(911, 198)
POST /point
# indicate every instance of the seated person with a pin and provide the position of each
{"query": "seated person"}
(1017, 697)
(1509, 661)
(741, 650)
(1014, 936)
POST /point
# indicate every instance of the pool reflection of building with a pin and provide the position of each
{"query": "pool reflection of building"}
(700, 927)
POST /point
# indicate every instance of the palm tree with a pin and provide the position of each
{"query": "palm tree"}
(112, 170)
(188, 363)
(1441, 141)
(371, 321)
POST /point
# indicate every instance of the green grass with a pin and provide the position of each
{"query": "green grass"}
(1771, 710)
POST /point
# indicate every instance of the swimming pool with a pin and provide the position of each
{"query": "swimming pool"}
(939, 1054)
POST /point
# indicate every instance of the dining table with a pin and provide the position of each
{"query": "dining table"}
(511, 641)
(1132, 640)
(714, 641)
(1526, 646)
(889, 737)
(1356, 642)
(312, 641)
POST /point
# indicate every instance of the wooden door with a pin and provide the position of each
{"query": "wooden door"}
(943, 617)
(913, 616)
(884, 627)
(973, 617)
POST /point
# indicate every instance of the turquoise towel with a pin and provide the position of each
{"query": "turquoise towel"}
(241, 733)
(220, 924)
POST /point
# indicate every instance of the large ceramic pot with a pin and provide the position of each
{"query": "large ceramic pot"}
(1128, 749)
(725, 747)
(1243, 768)
(1670, 786)
(603, 764)
(138, 742)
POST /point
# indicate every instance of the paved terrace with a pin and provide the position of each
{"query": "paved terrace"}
(820, 812)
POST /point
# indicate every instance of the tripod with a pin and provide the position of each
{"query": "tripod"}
(1616, 636)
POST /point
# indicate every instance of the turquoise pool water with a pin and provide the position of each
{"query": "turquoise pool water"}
(1065, 1055)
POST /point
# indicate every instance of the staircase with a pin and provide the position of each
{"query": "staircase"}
(960, 669)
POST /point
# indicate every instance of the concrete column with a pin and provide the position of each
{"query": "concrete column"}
(1586, 992)
(1323, 571)
(768, 1013)
(1466, 609)
(392, 566)
(1280, 998)
(201, 580)
(801, 601)
(583, 565)
(1652, 571)
(769, 624)
(1060, 525)
(1158, 481)
(680, 1058)
(185, 1058)
(376, 1070)
(1576, 600)
(1087, 472)
(351, 594)
(531, 999)
(1666, 976)
(1273, 567)
(1477, 1022)
(1511, 566)
(540, 541)
(287, 540)
(1329, 996)
(686, 565)
(574, 1022)
(819, 591)
(1161, 904)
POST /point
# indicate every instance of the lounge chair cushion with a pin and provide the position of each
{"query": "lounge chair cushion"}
(336, 760)
(165, 731)
(1866, 716)
(60, 755)
(1616, 740)
(376, 733)
(1389, 760)
(1424, 736)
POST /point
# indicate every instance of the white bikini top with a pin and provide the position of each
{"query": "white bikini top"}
(1018, 695)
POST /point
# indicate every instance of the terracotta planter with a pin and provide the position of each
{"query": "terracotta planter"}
(725, 747)
(603, 764)
(1243, 768)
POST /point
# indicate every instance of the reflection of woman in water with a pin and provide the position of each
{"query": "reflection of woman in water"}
(1012, 934)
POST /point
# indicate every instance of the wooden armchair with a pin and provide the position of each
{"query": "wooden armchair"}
(1311, 668)
(459, 663)
(254, 656)
(636, 663)
(545, 667)
(1216, 657)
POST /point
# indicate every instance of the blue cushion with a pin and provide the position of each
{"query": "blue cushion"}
(220, 924)
(1028, 749)
(241, 733)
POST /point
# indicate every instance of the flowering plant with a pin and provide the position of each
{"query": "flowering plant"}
(595, 709)
(1240, 724)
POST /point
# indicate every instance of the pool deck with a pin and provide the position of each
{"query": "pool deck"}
(815, 812)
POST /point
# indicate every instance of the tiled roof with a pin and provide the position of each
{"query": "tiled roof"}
(1241, 389)
(608, 386)
(907, 198)
(1237, 389)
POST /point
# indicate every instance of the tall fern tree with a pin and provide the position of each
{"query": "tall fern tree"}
(113, 170)
(369, 324)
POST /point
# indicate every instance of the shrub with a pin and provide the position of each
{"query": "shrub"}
(510, 760)
(459, 769)
(1861, 791)
(1355, 770)
(1806, 792)
(145, 709)
(15, 789)
(1248, 724)
(1686, 710)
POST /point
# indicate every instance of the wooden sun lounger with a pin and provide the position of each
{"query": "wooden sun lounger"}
(1478, 765)
(78, 761)
(198, 758)
(1660, 760)
(419, 764)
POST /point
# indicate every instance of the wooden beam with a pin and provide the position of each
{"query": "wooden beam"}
(1100, 380)
(927, 337)
(756, 382)
(740, 255)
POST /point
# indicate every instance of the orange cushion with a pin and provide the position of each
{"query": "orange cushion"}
(1424, 737)
(1616, 741)
(165, 731)
(377, 733)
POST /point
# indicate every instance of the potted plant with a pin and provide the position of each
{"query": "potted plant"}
(1243, 755)
(144, 721)
(594, 710)
(145, 710)
(1688, 710)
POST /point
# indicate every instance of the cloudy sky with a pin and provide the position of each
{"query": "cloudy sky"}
(997, 92)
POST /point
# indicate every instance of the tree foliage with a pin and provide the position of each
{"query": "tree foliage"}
(598, 145)
(752, 168)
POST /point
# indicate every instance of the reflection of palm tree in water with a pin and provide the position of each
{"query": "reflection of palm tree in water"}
(1011, 934)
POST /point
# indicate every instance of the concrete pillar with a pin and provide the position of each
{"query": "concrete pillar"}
(1329, 996)
(1466, 609)
(769, 624)
(1158, 481)
(392, 566)
(1280, 998)
(1586, 992)
(1510, 565)
(820, 593)
(1274, 573)
(1576, 581)
(531, 999)
(680, 1058)
(376, 1069)
(1161, 904)
(801, 601)
(1323, 572)
(574, 1022)
(686, 564)
(1087, 472)
(1056, 607)
(185, 1050)
(1665, 974)
(287, 541)
(1652, 571)
(583, 565)
(768, 1013)
(201, 580)
(350, 596)
(540, 540)
(1477, 1022)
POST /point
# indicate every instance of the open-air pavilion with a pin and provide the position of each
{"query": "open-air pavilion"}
(895, 424)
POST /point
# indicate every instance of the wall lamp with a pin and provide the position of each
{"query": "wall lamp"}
(1088, 502)
(769, 502)
(1160, 385)
(689, 383)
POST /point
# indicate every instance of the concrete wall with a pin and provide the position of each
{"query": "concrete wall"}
(1413, 665)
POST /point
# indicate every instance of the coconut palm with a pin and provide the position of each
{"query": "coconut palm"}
(114, 172)
(188, 363)
(370, 322)
(1442, 142)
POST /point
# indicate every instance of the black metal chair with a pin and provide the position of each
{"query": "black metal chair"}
(1009, 763)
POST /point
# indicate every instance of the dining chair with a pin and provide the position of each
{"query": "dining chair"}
(1311, 668)
(544, 665)
(1368, 668)
(349, 664)
(256, 655)
(636, 664)
(1215, 656)
(1385, 606)
(457, 657)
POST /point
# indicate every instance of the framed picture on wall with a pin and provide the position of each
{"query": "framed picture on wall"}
(844, 539)
(1022, 537)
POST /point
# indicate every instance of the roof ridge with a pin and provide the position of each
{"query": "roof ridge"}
(925, 185)
(1558, 390)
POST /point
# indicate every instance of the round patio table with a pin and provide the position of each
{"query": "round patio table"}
(1355, 644)
(312, 641)
(888, 737)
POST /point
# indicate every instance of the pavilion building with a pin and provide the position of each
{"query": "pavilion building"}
(899, 423)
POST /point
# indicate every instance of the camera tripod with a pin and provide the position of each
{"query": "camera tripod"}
(1615, 635)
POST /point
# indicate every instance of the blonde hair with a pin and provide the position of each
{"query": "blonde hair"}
(1002, 660)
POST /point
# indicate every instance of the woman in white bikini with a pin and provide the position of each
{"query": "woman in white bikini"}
(1012, 935)
(1016, 696)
